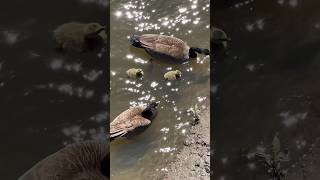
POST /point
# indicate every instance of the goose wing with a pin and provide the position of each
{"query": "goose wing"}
(168, 45)
(128, 121)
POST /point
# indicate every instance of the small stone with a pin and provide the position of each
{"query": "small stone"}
(187, 142)
(207, 168)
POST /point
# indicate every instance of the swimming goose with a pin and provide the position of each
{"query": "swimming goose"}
(166, 47)
(80, 161)
(132, 119)
(77, 36)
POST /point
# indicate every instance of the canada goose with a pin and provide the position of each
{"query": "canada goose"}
(172, 75)
(80, 161)
(166, 47)
(134, 73)
(132, 119)
(77, 36)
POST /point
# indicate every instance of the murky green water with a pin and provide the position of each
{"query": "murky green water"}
(47, 99)
(151, 151)
(268, 82)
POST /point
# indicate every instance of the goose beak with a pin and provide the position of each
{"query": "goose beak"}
(157, 103)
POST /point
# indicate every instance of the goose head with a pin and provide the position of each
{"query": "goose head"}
(150, 112)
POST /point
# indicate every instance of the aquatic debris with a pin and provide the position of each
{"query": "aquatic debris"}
(195, 112)
(172, 75)
(134, 73)
(272, 161)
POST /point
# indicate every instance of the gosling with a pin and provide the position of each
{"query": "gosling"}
(134, 73)
(172, 75)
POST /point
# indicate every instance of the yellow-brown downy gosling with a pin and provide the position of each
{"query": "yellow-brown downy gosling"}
(172, 75)
(166, 47)
(134, 73)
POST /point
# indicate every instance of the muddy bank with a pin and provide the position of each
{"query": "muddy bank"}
(193, 161)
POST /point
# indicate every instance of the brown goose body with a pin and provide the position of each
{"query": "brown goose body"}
(75, 35)
(128, 121)
(81, 161)
(164, 47)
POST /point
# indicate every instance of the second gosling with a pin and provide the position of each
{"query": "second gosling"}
(172, 75)
(134, 73)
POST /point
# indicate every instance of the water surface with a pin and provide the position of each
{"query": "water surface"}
(266, 83)
(151, 151)
(47, 99)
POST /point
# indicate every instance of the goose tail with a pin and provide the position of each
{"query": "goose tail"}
(134, 40)
(116, 134)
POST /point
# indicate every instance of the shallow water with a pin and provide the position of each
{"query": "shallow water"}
(150, 151)
(266, 83)
(47, 99)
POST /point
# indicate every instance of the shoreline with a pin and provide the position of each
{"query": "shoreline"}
(193, 161)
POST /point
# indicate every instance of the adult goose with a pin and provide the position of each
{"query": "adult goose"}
(81, 161)
(78, 36)
(166, 47)
(132, 120)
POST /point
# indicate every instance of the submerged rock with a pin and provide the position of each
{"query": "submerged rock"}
(78, 36)
(134, 73)
(172, 75)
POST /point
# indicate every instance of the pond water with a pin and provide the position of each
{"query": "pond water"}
(150, 151)
(267, 82)
(47, 99)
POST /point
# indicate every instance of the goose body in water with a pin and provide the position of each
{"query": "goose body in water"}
(77, 36)
(166, 47)
(132, 119)
(81, 161)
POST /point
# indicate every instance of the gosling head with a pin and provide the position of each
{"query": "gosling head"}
(178, 74)
(94, 28)
(139, 73)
